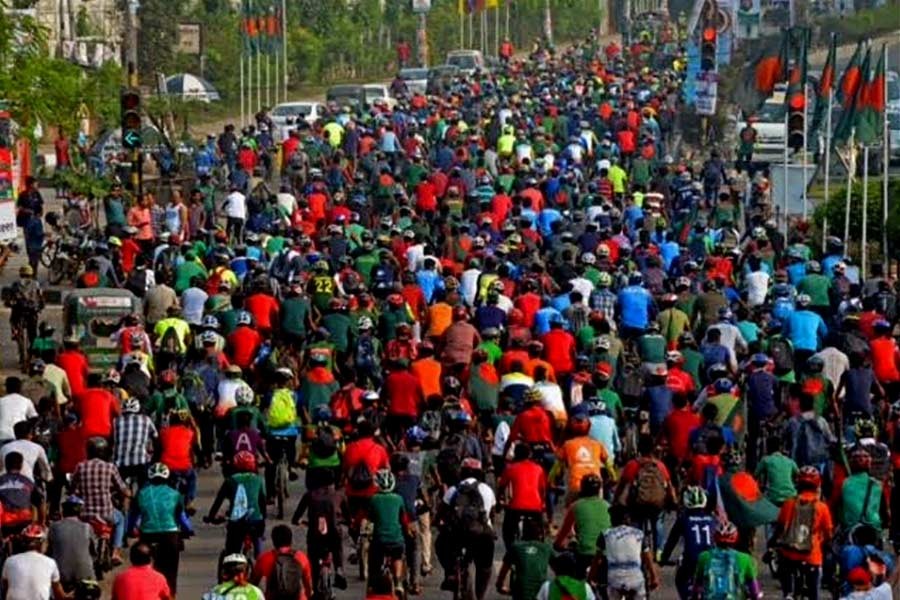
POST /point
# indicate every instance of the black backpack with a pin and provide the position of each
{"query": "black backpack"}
(324, 443)
(449, 459)
(286, 580)
(782, 355)
(469, 514)
(631, 383)
(360, 477)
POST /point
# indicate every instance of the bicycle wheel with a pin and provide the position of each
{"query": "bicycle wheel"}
(281, 485)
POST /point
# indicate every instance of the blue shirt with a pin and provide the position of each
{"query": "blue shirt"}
(542, 319)
(546, 219)
(635, 304)
(429, 281)
(805, 328)
(796, 272)
(659, 399)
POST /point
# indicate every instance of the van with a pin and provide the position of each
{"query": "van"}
(346, 95)
(468, 61)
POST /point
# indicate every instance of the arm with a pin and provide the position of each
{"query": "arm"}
(221, 496)
(565, 529)
(675, 535)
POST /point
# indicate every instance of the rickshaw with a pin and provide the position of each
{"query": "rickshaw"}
(93, 315)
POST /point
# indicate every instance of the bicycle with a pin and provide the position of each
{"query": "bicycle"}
(282, 475)
(465, 578)
(324, 584)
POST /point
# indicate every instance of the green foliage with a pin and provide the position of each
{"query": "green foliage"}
(862, 24)
(157, 37)
(835, 208)
(82, 182)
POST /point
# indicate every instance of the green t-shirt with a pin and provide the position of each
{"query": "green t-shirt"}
(745, 568)
(254, 486)
(494, 351)
(591, 521)
(672, 323)
(529, 561)
(855, 507)
(612, 400)
(256, 419)
(339, 325)
(385, 512)
(364, 264)
(693, 360)
(816, 286)
(231, 591)
(775, 474)
(185, 272)
(159, 507)
(584, 338)
(294, 315)
(652, 348)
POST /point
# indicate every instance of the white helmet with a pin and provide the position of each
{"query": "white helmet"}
(158, 471)
(365, 323)
(243, 395)
(588, 258)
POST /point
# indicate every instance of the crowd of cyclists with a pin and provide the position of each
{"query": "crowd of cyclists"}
(508, 315)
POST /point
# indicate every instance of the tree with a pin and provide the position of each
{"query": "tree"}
(157, 36)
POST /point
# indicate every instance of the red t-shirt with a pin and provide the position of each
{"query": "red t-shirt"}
(243, 343)
(96, 406)
(373, 454)
(559, 350)
(677, 428)
(73, 448)
(140, 583)
(426, 196)
(404, 394)
(631, 469)
(527, 485)
(264, 309)
(265, 565)
(75, 364)
(177, 442)
(529, 304)
(885, 358)
(533, 426)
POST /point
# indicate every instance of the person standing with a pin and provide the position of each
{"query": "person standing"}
(235, 207)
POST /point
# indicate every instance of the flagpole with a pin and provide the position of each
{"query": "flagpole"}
(803, 156)
(284, 55)
(507, 18)
(268, 79)
(827, 163)
(885, 162)
(865, 206)
(849, 199)
(243, 91)
(497, 30)
(784, 193)
(462, 29)
(259, 85)
(275, 79)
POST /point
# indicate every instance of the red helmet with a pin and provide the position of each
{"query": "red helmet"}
(726, 533)
(579, 426)
(168, 377)
(244, 461)
(809, 477)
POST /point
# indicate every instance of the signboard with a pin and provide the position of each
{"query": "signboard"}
(724, 22)
(8, 230)
(421, 6)
(707, 93)
(748, 18)
(188, 41)
(692, 55)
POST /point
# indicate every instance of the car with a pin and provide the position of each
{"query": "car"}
(287, 114)
(769, 126)
(893, 90)
(377, 93)
(440, 78)
(346, 95)
(468, 61)
(894, 134)
(416, 79)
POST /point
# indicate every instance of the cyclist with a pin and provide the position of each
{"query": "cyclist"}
(70, 542)
(323, 536)
(723, 572)
(26, 299)
(159, 508)
(696, 525)
(588, 519)
(322, 445)
(803, 531)
(580, 455)
(282, 427)
(286, 571)
(860, 500)
(624, 559)
(235, 581)
(96, 480)
(390, 524)
(245, 492)
(19, 497)
(526, 485)
(528, 560)
(31, 575)
(465, 524)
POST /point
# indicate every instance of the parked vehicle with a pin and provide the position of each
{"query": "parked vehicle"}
(440, 78)
(377, 93)
(93, 315)
(416, 79)
(288, 114)
(346, 95)
(468, 61)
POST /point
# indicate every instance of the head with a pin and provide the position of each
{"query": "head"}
(282, 537)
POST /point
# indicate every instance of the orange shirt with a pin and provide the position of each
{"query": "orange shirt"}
(428, 372)
(440, 316)
(822, 528)
(532, 364)
(177, 442)
(582, 456)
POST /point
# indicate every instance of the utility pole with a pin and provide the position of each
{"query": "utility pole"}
(422, 38)
(548, 22)
(131, 41)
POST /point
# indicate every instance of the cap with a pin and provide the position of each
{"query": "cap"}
(858, 576)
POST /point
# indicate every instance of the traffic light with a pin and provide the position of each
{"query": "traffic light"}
(708, 49)
(796, 130)
(130, 103)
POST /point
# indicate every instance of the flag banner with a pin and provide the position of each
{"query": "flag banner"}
(870, 110)
(849, 116)
(846, 91)
(492, 3)
(825, 87)
(761, 74)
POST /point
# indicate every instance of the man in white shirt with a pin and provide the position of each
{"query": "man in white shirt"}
(14, 407)
(35, 465)
(31, 575)
(235, 207)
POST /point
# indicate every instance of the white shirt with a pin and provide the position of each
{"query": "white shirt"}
(286, 202)
(235, 205)
(415, 256)
(487, 496)
(501, 434)
(226, 390)
(13, 409)
(584, 287)
(882, 592)
(757, 284)
(836, 363)
(192, 302)
(552, 398)
(30, 576)
(34, 459)
(468, 285)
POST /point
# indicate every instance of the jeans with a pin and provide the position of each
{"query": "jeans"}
(118, 521)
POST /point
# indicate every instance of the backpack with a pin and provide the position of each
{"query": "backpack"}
(782, 355)
(631, 384)
(286, 580)
(323, 444)
(469, 515)
(810, 447)
(365, 353)
(137, 282)
(449, 459)
(649, 488)
(169, 342)
(798, 534)
(360, 476)
(282, 410)
(194, 390)
(721, 576)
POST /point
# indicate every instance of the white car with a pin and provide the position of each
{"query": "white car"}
(468, 61)
(894, 134)
(416, 79)
(893, 90)
(769, 126)
(378, 93)
(286, 115)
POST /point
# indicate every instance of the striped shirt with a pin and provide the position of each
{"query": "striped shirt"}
(133, 436)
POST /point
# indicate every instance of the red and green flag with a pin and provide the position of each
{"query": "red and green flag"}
(853, 104)
(871, 105)
(851, 78)
(768, 68)
(250, 30)
(795, 97)
(825, 87)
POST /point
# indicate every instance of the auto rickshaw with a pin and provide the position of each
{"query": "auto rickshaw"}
(93, 315)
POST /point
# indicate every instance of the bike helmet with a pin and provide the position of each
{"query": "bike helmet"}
(131, 405)
(158, 471)
(322, 414)
(34, 532)
(602, 343)
(533, 395)
(604, 280)
(244, 318)
(860, 460)
(760, 359)
(717, 371)
(234, 560)
(674, 357)
(815, 364)
(865, 428)
(726, 533)
(73, 501)
(208, 337)
(97, 444)
(244, 461)
(591, 484)
(415, 435)
(803, 300)
(385, 481)
(26, 271)
(603, 250)
(588, 258)
(471, 464)
(365, 323)
(693, 497)
(210, 322)
(813, 266)
(243, 395)
(809, 477)
(723, 385)
(431, 424)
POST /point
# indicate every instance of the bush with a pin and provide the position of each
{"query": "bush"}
(834, 210)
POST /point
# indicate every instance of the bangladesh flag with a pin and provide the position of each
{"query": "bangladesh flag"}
(795, 97)
(871, 105)
(825, 87)
(851, 78)
(250, 24)
(761, 74)
(852, 104)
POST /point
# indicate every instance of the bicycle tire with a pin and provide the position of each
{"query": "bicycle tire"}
(281, 483)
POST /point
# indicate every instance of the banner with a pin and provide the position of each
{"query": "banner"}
(692, 55)
(748, 18)
(8, 230)
(707, 93)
